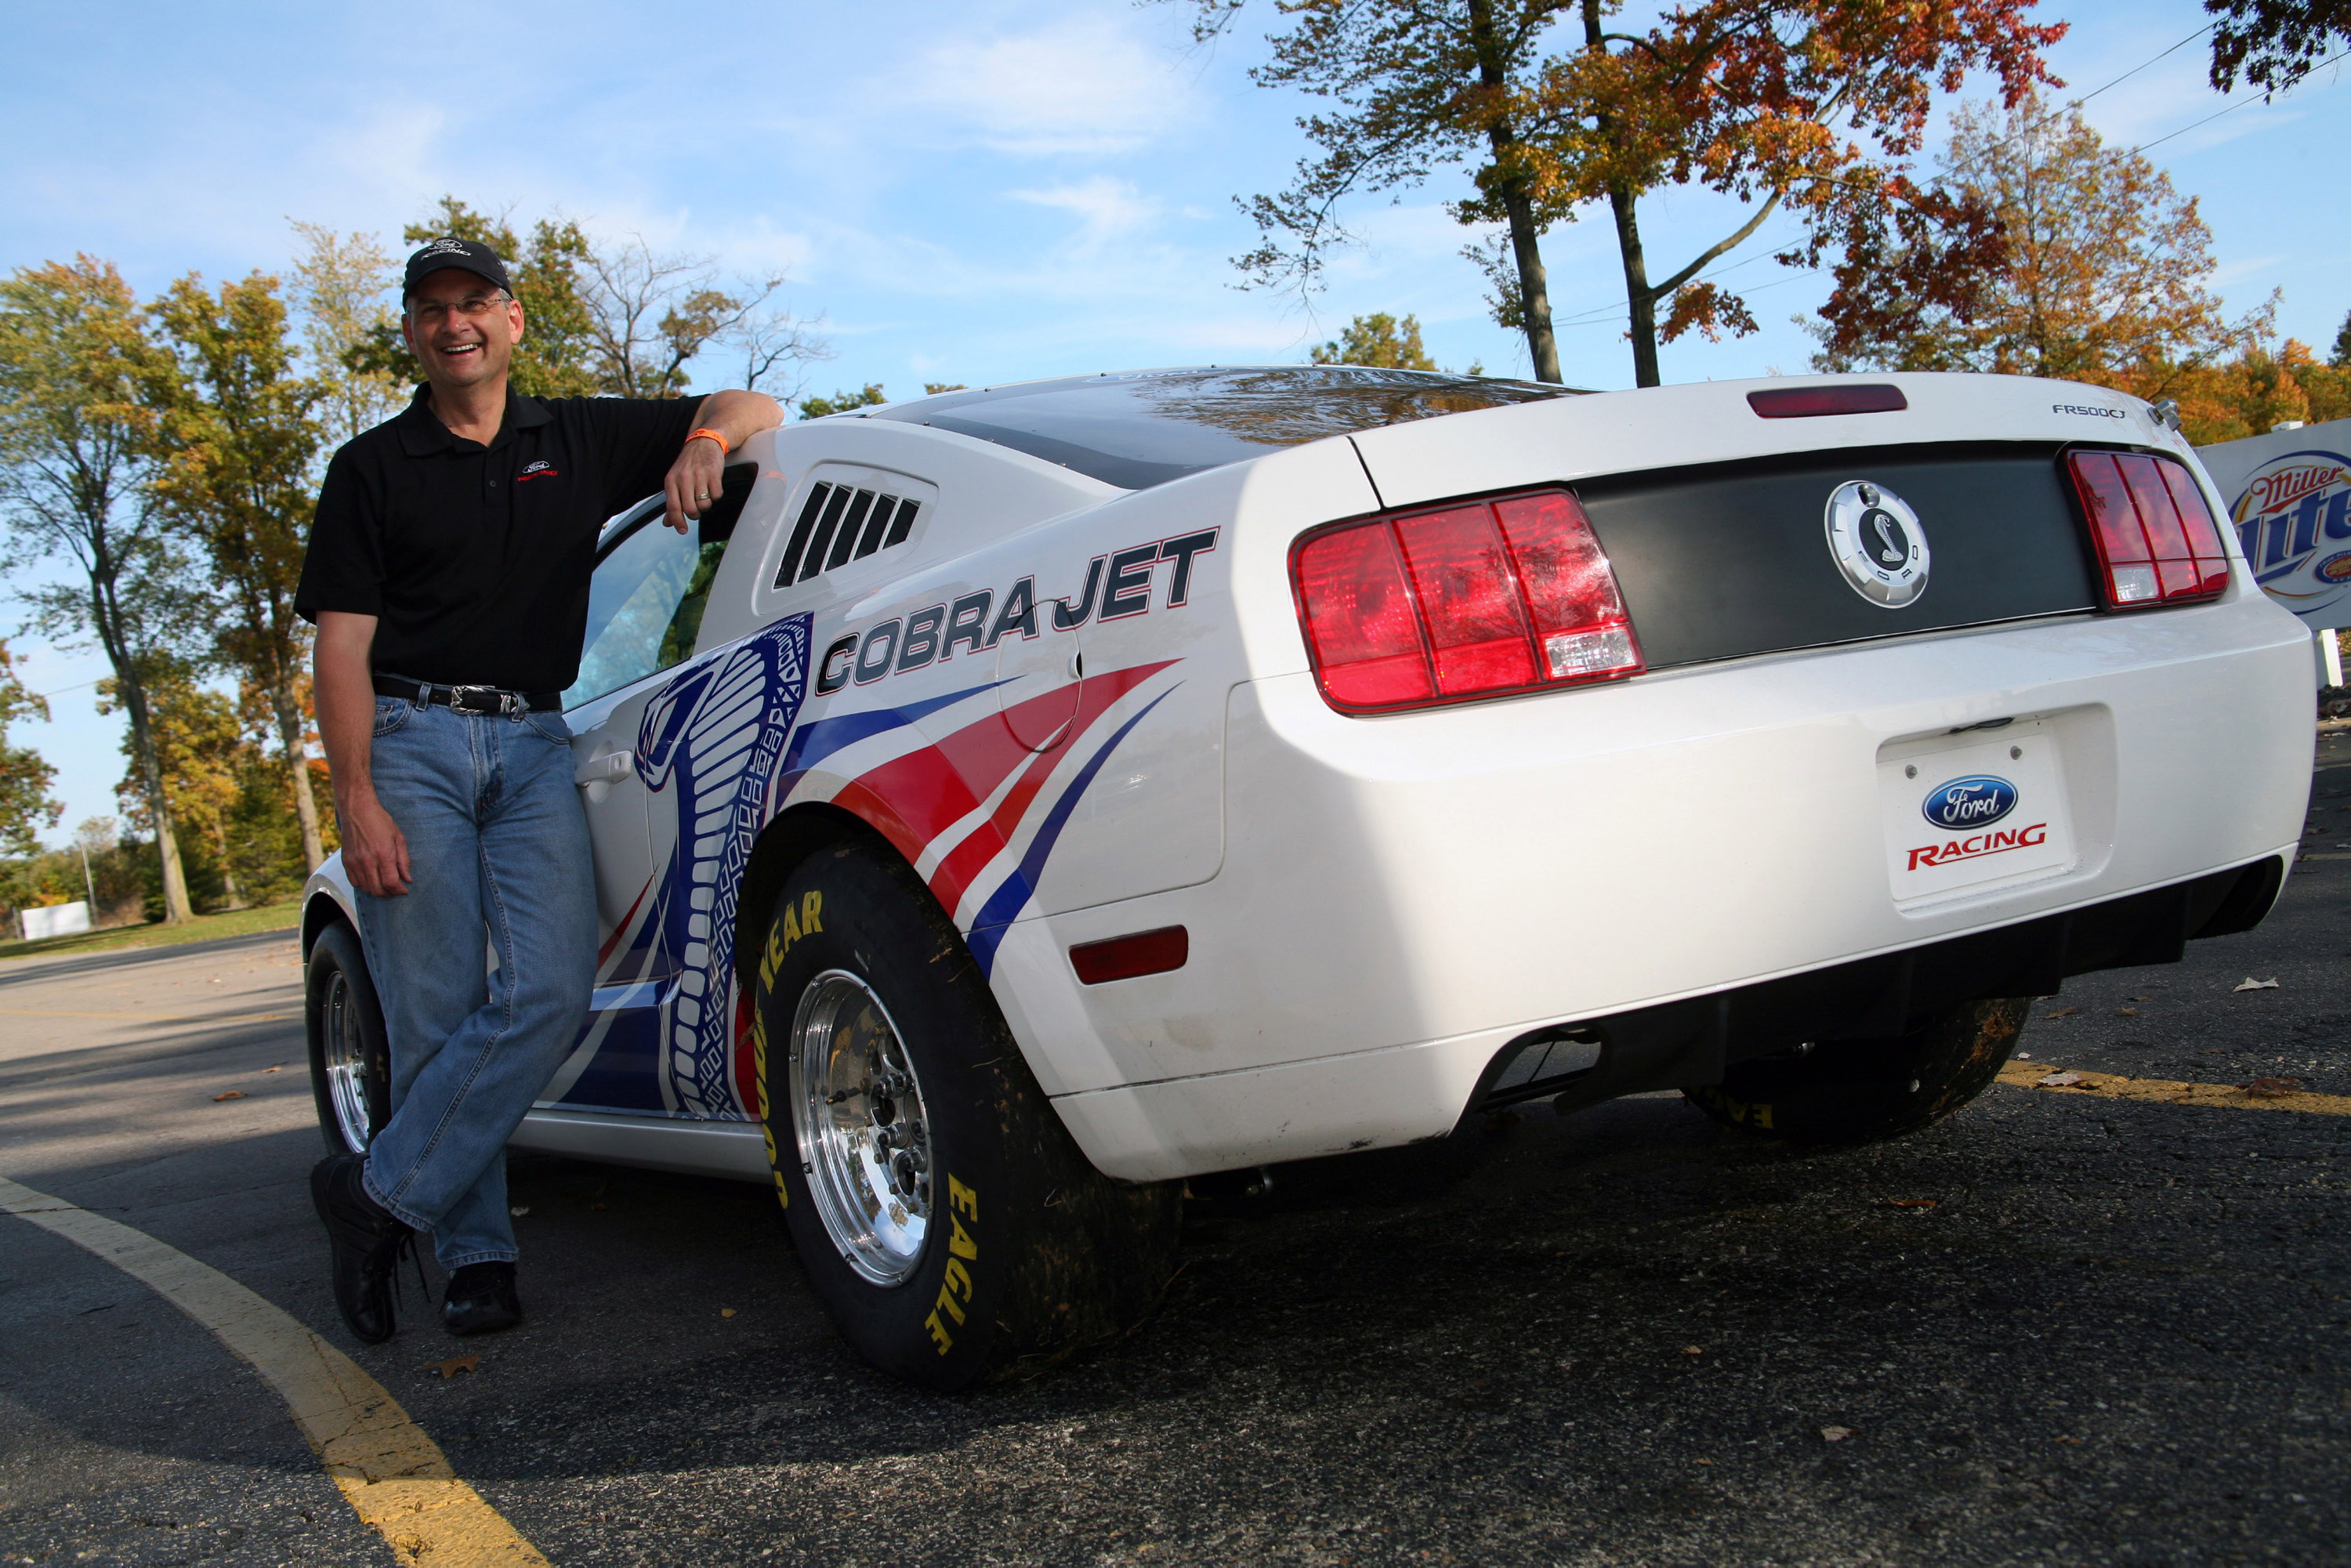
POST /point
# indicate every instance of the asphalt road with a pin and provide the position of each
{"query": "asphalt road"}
(2119, 1335)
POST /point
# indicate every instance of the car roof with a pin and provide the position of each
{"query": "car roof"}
(1136, 429)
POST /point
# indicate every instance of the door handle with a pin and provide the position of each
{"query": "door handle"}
(605, 768)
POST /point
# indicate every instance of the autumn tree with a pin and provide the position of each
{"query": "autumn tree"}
(2342, 354)
(1811, 105)
(621, 321)
(843, 401)
(2099, 271)
(651, 313)
(198, 741)
(340, 292)
(238, 446)
(1378, 340)
(26, 807)
(2274, 43)
(77, 434)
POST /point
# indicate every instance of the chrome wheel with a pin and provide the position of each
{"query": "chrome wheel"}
(864, 1140)
(344, 1051)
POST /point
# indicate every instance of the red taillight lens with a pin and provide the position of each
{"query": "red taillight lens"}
(1124, 957)
(2157, 541)
(1359, 621)
(1477, 627)
(1466, 600)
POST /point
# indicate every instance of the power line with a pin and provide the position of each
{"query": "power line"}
(2241, 103)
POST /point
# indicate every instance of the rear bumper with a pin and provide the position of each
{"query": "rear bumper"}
(1372, 1099)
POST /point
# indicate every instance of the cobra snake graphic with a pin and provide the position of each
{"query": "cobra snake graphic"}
(710, 741)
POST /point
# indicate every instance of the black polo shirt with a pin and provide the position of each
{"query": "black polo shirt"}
(474, 560)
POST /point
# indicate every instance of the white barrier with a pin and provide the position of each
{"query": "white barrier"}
(57, 920)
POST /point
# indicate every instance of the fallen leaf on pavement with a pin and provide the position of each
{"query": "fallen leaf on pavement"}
(2061, 1013)
(456, 1365)
(1836, 1434)
(1693, 1350)
(2252, 985)
(231, 1094)
(1914, 1202)
(2060, 1080)
(2074, 1441)
(726, 1312)
(519, 1212)
(2271, 1088)
(2127, 1013)
(1702, 1462)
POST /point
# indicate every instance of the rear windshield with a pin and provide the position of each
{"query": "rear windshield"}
(1146, 427)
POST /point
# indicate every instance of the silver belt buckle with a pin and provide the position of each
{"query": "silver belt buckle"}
(473, 696)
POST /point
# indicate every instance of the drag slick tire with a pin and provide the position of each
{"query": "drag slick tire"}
(351, 1060)
(944, 1218)
(1861, 1091)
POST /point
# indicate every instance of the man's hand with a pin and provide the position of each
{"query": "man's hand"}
(698, 476)
(375, 851)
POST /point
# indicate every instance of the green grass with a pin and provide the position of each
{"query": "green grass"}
(203, 928)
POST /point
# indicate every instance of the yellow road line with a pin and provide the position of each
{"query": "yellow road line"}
(148, 1018)
(2113, 1086)
(392, 1474)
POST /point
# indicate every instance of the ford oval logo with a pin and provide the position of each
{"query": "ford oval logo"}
(1976, 801)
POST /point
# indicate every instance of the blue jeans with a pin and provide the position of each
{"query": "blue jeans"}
(496, 843)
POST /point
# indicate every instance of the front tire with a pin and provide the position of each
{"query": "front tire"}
(944, 1218)
(1864, 1091)
(351, 1059)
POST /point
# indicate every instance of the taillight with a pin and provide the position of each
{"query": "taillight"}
(2157, 541)
(1809, 402)
(1470, 599)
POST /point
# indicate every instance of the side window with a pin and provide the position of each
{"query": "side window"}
(644, 606)
(651, 586)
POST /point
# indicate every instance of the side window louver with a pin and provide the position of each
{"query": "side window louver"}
(839, 523)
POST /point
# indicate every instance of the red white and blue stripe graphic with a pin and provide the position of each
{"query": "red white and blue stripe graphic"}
(945, 778)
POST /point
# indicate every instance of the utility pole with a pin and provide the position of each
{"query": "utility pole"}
(88, 886)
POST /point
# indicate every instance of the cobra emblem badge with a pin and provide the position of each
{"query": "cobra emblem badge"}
(1878, 544)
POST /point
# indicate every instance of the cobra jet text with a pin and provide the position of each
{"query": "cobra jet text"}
(1116, 585)
(1965, 849)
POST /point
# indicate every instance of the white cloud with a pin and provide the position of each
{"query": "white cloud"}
(1106, 207)
(1086, 85)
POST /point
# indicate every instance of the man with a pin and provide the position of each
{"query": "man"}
(447, 575)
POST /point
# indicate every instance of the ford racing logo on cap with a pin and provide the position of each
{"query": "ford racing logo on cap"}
(1878, 543)
(1976, 801)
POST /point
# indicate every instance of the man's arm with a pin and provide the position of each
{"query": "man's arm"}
(698, 476)
(375, 851)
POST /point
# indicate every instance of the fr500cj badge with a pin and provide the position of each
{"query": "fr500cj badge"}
(1878, 544)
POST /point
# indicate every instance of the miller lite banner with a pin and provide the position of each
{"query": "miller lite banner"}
(2289, 495)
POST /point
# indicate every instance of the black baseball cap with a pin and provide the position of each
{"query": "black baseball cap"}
(471, 255)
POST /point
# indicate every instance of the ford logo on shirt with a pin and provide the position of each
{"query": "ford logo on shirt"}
(1976, 801)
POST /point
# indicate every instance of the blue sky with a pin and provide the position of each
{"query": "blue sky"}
(963, 193)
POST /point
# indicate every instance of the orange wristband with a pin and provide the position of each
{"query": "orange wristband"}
(708, 435)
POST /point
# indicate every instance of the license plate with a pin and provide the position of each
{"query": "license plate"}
(1974, 812)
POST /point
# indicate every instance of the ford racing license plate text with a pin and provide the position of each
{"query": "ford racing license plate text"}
(1985, 809)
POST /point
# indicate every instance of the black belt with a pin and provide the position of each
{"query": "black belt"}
(469, 699)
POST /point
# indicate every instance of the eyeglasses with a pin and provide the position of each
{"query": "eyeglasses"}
(473, 307)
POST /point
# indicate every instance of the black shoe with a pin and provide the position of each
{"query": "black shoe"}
(368, 1241)
(481, 1299)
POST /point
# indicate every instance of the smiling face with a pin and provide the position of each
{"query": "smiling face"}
(456, 347)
